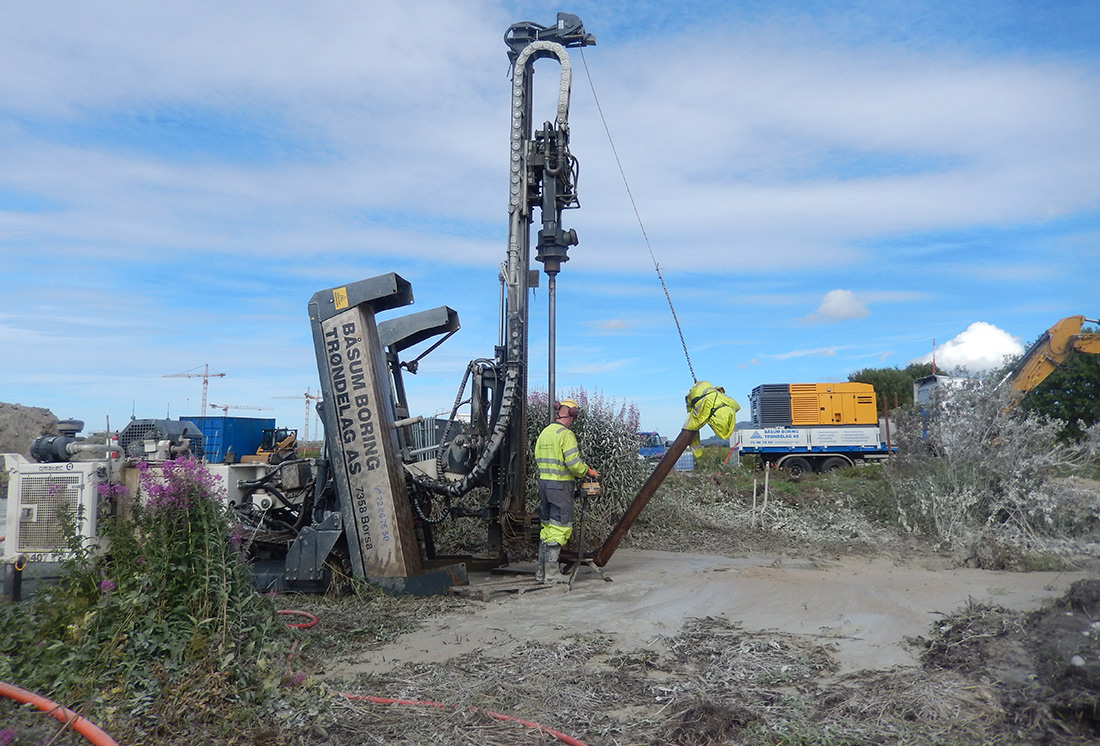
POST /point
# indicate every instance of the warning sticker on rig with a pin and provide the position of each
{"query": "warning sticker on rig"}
(340, 298)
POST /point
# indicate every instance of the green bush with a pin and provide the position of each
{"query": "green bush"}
(163, 629)
(973, 469)
(607, 433)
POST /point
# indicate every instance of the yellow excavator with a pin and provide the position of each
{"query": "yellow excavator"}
(1051, 350)
(278, 445)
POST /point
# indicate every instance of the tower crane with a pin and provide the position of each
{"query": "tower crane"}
(206, 375)
(309, 397)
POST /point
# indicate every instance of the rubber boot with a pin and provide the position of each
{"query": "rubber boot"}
(544, 555)
(552, 573)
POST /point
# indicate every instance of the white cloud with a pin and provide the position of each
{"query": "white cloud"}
(176, 181)
(839, 305)
(981, 348)
(861, 142)
(590, 367)
(816, 352)
(609, 325)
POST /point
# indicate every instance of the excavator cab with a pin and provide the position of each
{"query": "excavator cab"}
(277, 444)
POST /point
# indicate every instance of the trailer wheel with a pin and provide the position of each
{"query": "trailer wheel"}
(834, 463)
(796, 467)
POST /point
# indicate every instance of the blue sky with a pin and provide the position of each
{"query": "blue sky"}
(825, 186)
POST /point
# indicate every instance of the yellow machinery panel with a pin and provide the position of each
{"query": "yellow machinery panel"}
(833, 404)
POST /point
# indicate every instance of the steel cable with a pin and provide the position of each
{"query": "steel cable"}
(638, 215)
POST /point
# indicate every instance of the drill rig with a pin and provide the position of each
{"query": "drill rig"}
(366, 505)
(374, 498)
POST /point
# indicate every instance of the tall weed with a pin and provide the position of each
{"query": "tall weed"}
(973, 469)
(162, 629)
(607, 433)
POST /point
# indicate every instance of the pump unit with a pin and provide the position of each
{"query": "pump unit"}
(160, 440)
(39, 497)
(803, 427)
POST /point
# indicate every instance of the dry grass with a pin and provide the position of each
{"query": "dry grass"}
(712, 683)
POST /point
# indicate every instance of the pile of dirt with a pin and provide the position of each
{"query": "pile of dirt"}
(1044, 665)
(986, 675)
(20, 425)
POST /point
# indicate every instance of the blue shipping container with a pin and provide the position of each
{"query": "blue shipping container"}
(235, 436)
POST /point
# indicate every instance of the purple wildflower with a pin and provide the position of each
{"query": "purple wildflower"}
(236, 536)
(7, 735)
(111, 490)
(178, 484)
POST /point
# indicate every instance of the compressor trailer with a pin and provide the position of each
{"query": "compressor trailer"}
(804, 427)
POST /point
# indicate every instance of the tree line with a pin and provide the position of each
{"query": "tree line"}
(1070, 394)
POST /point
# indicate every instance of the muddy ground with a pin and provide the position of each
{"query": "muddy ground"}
(760, 641)
(696, 649)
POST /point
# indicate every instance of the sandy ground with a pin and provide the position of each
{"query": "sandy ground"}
(862, 609)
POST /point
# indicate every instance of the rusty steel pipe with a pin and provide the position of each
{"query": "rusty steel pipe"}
(664, 466)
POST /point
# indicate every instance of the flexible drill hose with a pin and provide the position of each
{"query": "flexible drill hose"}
(84, 727)
(563, 737)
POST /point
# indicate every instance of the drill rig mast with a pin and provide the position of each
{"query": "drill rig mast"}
(542, 174)
(377, 497)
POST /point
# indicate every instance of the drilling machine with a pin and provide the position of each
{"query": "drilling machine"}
(366, 505)
(374, 503)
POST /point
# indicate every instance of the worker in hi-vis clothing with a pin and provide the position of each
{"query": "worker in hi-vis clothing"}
(559, 463)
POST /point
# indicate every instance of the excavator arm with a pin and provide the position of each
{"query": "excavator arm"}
(1051, 350)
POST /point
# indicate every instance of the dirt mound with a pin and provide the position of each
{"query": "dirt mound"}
(1045, 664)
(20, 425)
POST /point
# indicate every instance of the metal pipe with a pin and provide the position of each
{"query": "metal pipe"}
(75, 448)
(675, 449)
(552, 344)
(15, 571)
(503, 309)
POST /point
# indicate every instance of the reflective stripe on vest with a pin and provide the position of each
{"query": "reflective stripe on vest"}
(557, 456)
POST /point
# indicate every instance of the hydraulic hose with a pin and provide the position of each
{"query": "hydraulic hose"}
(500, 430)
(563, 737)
(91, 732)
(311, 618)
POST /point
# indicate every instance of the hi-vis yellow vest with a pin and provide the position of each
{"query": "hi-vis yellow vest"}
(557, 456)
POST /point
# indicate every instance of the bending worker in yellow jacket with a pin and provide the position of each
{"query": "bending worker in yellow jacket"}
(559, 463)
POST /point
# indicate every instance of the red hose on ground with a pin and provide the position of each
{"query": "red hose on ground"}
(566, 739)
(304, 625)
(84, 727)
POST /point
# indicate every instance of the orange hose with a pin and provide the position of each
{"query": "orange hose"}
(304, 625)
(84, 727)
(564, 738)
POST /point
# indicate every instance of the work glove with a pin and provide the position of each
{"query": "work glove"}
(592, 473)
